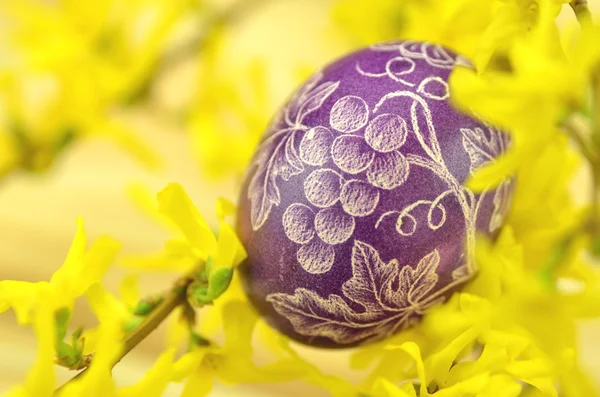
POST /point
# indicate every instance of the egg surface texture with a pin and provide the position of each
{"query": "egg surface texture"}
(353, 210)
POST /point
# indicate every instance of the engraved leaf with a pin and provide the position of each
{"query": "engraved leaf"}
(427, 137)
(277, 157)
(312, 315)
(296, 102)
(315, 99)
(481, 149)
(370, 276)
(415, 284)
(373, 286)
(309, 98)
(424, 277)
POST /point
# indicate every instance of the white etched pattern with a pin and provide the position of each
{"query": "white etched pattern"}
(350, 154)
(399, 66)
(389, 170)
(433, 54)
(434, 87)
(315, 147)
(349, 114)
(386, 132)
(298, 220)
(406, 223)
(389, 296)
(316, 257)
(322, 187)
(276, 157)
(333, 225)
(390, 293)
(359, 198)
(394, 69)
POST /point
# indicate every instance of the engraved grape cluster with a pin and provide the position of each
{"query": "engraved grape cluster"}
(384, 166)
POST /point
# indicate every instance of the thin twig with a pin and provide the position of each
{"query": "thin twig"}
(171, 299)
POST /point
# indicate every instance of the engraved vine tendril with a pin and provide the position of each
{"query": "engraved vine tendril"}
(406, 213)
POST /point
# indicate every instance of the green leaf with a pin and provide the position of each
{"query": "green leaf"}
(197, 294)
(67, 355)
(77, 333)
(146, 306)
(219, 281)
(201, 293)
(61, 319)
(132, 323)
(64, 350)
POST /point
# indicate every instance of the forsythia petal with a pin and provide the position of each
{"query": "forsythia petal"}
(412, 349)
(154, 381)
(129, 290)
(174, 202)
(20, 296)
(40, 381)
(239, 321)
(198, 384)
(97, 260)
(105, 306)
(384, 388)
(98, 381)
(468, 387)
(501, 386)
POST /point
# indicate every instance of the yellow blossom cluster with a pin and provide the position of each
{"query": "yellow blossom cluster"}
(511, 332)
(72, 68)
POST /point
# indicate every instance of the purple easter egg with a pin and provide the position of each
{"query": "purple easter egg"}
(353, 211)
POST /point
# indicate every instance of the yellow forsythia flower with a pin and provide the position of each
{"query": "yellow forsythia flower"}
(197, 240)
(97, 380)
(506, 329)
(546, 82)
(68, 68)
(543, 210)
(475, 29)
(40, 381)
(81, 269)
(155, 380)
(232, 363)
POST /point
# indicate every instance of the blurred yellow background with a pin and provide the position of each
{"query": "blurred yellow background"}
(37, 212)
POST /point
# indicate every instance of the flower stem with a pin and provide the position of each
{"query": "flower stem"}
(171, 299)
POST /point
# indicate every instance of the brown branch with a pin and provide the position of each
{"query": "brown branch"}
(173, 298)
